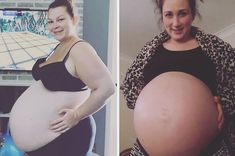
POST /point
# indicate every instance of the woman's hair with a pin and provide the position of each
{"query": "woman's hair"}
(68, 4)
(192, 4)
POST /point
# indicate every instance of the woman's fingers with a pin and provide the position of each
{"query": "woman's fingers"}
(61, 129)
(57, 121)
(63, 123)
(63, 111)
(56, 126)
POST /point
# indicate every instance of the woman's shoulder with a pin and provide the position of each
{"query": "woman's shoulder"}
(212, 42)
(201, 34)
(81, 49)
(82, 46)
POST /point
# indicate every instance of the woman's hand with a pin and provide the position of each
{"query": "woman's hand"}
(68, 119)
(220, 112)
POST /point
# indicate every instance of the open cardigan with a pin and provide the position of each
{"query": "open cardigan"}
(222, 55)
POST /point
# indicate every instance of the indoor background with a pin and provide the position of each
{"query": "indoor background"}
(139, 24)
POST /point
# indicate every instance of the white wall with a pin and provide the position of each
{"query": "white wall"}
(228, 34)
(96, 31)
(139, 24)
(111, 135)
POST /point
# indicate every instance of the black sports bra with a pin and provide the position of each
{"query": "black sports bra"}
(55, 76)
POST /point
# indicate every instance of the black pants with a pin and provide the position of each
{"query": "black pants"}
(78, 141)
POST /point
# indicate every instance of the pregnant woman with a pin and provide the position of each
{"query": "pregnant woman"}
(53, 116)
(181, 47)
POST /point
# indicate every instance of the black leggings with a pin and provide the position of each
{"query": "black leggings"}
(78, 141)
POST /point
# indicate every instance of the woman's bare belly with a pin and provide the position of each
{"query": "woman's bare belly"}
(35, 109)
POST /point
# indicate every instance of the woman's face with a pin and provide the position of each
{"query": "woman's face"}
(60, 24)
(177, 19)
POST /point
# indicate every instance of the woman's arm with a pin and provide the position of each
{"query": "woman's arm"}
(93, 72)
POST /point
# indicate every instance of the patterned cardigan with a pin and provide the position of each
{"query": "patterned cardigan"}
(221, 54)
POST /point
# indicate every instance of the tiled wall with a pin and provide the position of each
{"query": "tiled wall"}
(42, 4)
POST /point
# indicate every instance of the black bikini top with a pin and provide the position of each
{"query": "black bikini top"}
(55, 76)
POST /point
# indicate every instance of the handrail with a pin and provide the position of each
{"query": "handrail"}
(4, 115)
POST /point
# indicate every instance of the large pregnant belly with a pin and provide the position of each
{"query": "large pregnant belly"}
(33, 112)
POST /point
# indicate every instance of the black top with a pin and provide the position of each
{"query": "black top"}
(192, 61)
(55, 76)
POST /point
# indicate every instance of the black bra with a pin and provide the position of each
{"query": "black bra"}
(55, 76)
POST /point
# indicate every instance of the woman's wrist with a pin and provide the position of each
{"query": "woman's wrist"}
(77, 115)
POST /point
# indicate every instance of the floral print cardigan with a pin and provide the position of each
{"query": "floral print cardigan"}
(221, 54)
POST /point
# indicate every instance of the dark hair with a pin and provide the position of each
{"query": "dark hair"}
(66, 3)
(192, 4)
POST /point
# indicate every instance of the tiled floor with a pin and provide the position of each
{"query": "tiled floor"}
(20, 50)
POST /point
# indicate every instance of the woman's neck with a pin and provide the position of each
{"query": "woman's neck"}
(66, 44)
(177, 46)
(69, 39)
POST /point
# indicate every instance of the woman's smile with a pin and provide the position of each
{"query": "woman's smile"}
(58, 32)
(177, 30)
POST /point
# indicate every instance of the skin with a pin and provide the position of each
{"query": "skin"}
(60, 24)
(177, 20)
(62, 27)
(186, 126)
(42, 107)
